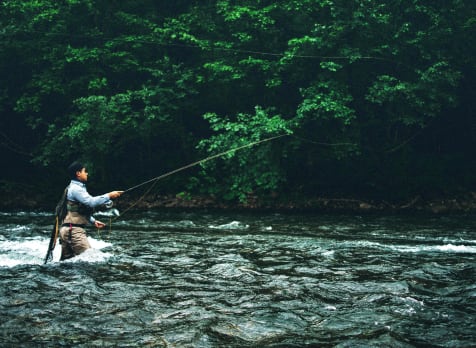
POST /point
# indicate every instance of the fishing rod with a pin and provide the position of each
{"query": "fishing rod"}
(203, 161)
(157, 178)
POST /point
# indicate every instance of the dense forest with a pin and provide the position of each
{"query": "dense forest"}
(376, 99)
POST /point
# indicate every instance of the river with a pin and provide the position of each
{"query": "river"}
(203, 279)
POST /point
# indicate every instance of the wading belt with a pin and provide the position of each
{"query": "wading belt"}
(73, 225)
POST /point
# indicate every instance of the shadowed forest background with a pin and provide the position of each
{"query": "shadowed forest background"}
(377, 97)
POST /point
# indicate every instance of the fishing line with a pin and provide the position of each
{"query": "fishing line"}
(139, 200)
(162, 176)
(203, 161)
(207, 48)
(157, 178)
(323, 144)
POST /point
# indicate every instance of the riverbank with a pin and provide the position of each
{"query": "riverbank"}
(463, 203)
(443, 205)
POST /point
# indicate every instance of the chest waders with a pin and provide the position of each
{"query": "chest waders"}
(69, 241)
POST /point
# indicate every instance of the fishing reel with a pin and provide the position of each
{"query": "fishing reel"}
(106, 210)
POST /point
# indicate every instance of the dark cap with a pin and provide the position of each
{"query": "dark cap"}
(75, 167)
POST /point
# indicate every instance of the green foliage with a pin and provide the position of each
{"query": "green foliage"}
(250, 170)
(324, 101)
(357, 82)
(414, 102)
(113, 122)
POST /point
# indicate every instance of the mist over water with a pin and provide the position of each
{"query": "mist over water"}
(158, 279)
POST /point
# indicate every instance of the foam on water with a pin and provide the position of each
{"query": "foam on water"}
(32, 250)
(448, 248)
(234, 225)
(457, 248)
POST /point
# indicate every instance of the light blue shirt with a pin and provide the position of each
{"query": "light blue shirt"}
(77, 193)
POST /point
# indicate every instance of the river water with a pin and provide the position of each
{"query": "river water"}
(158, 279)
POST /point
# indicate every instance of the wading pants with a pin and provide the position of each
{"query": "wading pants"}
(74, 241)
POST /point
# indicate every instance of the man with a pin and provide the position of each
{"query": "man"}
(80, 205)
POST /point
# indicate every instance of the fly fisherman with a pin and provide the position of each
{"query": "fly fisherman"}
(80, 205)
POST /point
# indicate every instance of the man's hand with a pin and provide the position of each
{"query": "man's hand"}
(115, 194)
(99, 224)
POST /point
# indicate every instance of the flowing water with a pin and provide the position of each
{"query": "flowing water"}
(205, 279)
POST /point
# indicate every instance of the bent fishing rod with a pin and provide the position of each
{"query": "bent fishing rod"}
(157, 178)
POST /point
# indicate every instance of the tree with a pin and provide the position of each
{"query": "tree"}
(372, 92)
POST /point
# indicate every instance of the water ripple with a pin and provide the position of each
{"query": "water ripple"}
(211, 280)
